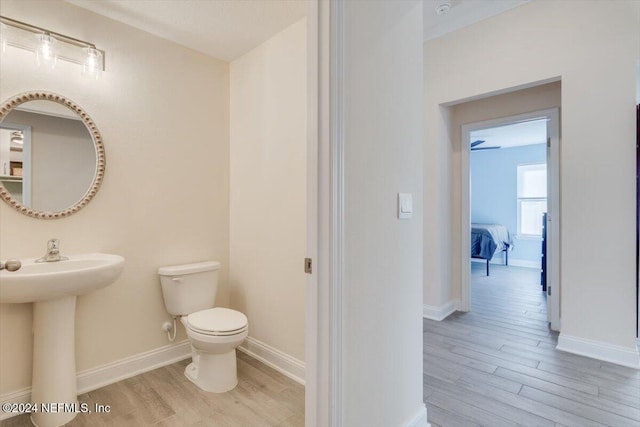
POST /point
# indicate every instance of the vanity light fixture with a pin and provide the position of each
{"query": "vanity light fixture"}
(50, 46)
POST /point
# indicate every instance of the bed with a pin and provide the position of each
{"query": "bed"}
(489, 239)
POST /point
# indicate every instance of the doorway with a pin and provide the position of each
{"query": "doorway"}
(509, 180)
(15, 161)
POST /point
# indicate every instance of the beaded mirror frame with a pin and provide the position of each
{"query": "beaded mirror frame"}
(19, 99)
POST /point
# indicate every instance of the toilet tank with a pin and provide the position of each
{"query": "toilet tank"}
(189, 288)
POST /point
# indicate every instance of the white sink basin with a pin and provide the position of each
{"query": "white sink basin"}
(53, 288)
(78, 275)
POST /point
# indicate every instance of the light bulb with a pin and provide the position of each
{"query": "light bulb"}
(46, 51)
(3, 37)
(92, 63)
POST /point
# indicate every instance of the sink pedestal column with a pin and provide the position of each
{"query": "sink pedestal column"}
(54, 362)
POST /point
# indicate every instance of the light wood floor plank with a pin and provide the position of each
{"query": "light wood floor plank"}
(619, 397)
(577, 408)
(591, 378)
(456, 329)
(452, 343)
(500, 359)
(441, 417)
(463, 360)
(537, 384)
(499, 328)
(558, 356)
(514, 320)
(506, 328)
(620, 370)
(482, 397)
(453, 372)
(454, 405)
(594, 401)
(166, 398)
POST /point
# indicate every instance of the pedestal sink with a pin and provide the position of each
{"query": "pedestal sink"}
(53, 288)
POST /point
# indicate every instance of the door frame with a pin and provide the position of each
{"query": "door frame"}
(325, 214)
(312, 386)
(553, 207)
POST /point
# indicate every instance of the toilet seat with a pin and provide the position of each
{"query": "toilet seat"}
(217, 322)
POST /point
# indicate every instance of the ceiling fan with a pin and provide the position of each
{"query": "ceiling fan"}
(474, 146)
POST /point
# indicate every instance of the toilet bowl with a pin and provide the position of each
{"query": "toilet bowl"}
(213, 346)
(214, 332)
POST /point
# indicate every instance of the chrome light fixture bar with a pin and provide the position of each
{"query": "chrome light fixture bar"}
(50, 46)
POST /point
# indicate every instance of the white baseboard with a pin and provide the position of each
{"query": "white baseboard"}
(276, 359)
(599, 350)
(419, 419)
(512, 262)
(18, 396)
(95, 378)
(440, 312)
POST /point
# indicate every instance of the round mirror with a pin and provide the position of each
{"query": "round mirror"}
(51, 155)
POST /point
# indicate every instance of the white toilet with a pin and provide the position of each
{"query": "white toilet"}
(190, 292)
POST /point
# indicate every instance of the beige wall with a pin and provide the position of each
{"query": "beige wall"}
(268, 181)
(537, 42)
(163, 113)
(522, 101)
(382, 286)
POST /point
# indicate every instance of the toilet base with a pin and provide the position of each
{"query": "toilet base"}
(216, 373)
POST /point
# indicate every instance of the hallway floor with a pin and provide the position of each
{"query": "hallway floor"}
(164, 397)
(497, 364)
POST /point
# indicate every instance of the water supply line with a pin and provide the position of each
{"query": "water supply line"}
(171, 330)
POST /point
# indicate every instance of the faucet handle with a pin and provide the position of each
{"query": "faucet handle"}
(10, 265)
(53, 244)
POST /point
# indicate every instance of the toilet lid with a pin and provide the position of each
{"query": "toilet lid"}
(217, 320)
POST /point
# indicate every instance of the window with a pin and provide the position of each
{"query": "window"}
(532, 198)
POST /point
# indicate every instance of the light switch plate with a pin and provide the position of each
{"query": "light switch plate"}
(405, 206)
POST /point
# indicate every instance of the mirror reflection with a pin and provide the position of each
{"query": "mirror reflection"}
(47, 156)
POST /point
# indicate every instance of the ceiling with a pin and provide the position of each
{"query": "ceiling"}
(227, 29)
(513, 135)
(224, 29)
(461, 13)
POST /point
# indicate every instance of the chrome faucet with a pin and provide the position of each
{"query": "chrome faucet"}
(10, 265)
(53, 252)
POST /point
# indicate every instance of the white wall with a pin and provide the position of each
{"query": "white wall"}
(382, 366)
(163, 114)
(596, 64)
(268, 181)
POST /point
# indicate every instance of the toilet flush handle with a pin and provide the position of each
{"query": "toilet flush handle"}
(176, 279)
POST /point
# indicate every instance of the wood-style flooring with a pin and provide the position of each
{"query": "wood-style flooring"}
(166, 398)
(497, 364)
(494, 366)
